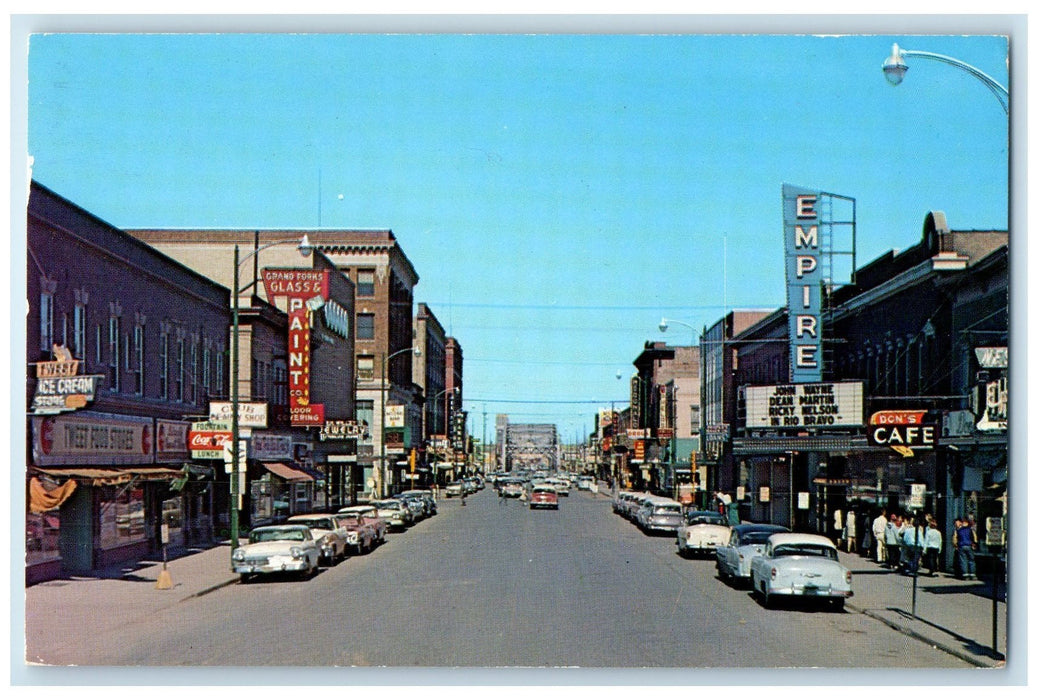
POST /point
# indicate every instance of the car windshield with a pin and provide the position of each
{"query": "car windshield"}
(804, 550)
(320, 524)
(538, 489)
(349, 518)
(388, 505)
(705, 519)
(754, 538)
(277, 534)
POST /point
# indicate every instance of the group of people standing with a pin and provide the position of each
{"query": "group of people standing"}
(904, 542)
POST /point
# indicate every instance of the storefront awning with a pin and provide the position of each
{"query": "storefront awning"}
(802, 443)
(286, 472)
(108, 476)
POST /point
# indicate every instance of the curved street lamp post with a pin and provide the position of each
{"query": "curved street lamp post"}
(382, 471)
(894, 68)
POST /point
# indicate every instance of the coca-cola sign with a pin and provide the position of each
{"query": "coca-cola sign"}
(207, 439)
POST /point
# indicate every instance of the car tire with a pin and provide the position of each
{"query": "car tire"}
(245, 578)
(837, 604)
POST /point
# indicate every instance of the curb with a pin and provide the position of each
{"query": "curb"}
(972, 660)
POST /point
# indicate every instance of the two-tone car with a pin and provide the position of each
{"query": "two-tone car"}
(798, 565)
(702, 532)
(330, 535)
(275, 549)
(543, 496)
(427, 497)
(746, 541)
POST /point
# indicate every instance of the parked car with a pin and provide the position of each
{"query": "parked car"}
(427, 498)
(543, 496)
(331, 538)
(583, 483)
(395, 512)
(455, 488)
(702, 532)
(415, 504)
(363, 532)
(275, 549)
(661, 515)
(802, 565)
(746, 541)
(632, 504)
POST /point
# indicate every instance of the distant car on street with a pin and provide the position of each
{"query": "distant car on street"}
(543, 496)
(455, 488)
(746, 541)
(800, 565)
(275, 549)
(702, 533)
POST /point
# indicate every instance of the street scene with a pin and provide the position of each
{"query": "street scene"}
(388, 350)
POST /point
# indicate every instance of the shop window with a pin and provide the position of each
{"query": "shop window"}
(122, 516)
(262, 500)
(41, 536)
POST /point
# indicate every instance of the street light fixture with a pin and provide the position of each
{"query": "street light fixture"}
(305, 249)
(894, 68)
(382, 471)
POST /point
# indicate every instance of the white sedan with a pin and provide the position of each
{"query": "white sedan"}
(797, 564)
(277, 548)
(702, 532)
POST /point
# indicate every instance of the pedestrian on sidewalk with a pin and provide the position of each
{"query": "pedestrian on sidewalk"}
(965, 543)
(932, 540)
(879, 534)
(866, 536)
(893, 541)
(909, 546)
(838, 532)
(852, 531)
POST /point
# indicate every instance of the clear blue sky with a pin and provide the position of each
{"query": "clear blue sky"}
(556, 194)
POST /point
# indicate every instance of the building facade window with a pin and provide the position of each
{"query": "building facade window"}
(365, 283)
(113, 352)
(179, 371)
(366, 367)
(280, 396)
(46, 321)
(365, 326)
(98, 344)
(79, 348)
(207, 353)
(193, 398)
(138, 359)
(164, 362)
(366, 413)
(219, 369)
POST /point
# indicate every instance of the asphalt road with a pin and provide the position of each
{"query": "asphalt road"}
(494, 584)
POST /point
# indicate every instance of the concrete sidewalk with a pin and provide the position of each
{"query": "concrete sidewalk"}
(953, 615)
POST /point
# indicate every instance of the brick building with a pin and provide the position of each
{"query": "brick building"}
(125, 346)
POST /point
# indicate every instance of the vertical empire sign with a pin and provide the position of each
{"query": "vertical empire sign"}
(803, 282)
(302, 288)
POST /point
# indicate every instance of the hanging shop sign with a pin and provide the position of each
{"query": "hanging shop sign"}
(251, 414)
(803, 282)
(639, 450)
(395, 416)
(58, 386)
(343, 429)
(301, 287)
(994, 405)
(270, 447)
(92, 438)
(171, 440)
(823, 405)
(207, 439)
(903, 431)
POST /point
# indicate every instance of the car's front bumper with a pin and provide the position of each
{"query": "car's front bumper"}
(272, 565)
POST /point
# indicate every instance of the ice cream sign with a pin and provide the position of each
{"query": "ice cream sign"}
(306, 291)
